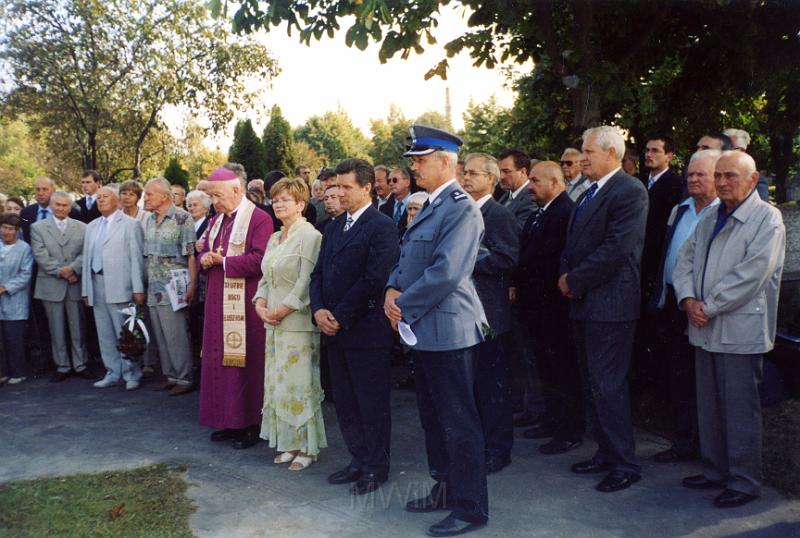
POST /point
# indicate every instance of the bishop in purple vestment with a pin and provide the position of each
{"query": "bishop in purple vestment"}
(231, 397)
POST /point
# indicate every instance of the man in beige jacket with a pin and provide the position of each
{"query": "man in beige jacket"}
(727, 278)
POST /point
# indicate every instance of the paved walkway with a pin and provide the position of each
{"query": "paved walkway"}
(71, 427)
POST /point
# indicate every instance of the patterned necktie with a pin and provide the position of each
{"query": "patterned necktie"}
(585, 202)
(650, 182)
(348, 223)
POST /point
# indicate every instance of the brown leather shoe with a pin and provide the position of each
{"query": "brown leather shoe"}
(178, 390)
(164, 386)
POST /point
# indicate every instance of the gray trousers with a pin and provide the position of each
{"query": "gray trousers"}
(174, 345)
(73, 311)
(729, 418)
(108, 321)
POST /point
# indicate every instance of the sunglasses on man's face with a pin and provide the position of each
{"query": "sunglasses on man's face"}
(567, 163)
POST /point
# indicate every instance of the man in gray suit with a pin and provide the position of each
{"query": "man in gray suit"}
(430, 297)
(497, 257)
(571, 167)
(514, 166)
(112, 276)
(57, 244)
(600, 273)
(727, 278)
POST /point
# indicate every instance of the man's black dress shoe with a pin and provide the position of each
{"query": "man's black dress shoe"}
(590, 466)
(225, 435)
(345, 476)
(86, 374)
(436, 500)
(526, 420)
(670, 455)
(368, 483)
(452, 526)
(559, 446)
(249, 437)
(541, 431)
(699, 481)
(616, 481)
(58, 377)
(731, 499)
(496, 464)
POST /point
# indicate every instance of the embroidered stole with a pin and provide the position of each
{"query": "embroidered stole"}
(234, 326)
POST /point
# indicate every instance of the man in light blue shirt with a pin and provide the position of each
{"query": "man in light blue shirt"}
(671, 321)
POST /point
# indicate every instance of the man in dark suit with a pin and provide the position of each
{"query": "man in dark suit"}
(665, 190)
(333, 208)
(497, 257)
(546, 311)
(356, 256)
(384, 201)
(400, 185)
(600, 269)
(514, 167)
(87, 206)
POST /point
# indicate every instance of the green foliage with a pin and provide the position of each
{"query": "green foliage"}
(278, 144)
(199, 159)
(485, 128)
(175, 174)
(666, 65)
(389, 138)
(334, 137)
(93, 77)
(20, 159)
(247, 150)
(436, 119)
(305, 155)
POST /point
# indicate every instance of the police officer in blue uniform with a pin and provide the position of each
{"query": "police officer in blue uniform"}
(430, 292)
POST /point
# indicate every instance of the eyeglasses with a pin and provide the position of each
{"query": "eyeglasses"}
(567, 163)
(474, 173)
(277, 201)
(394, 180)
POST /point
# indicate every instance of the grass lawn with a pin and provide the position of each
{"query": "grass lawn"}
(150, 501)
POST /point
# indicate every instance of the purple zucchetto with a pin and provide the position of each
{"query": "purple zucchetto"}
(222, 174)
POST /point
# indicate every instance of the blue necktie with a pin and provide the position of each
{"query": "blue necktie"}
(42, 213)
(585, 202)
(650, 182)
(97, 253)
(398, 211)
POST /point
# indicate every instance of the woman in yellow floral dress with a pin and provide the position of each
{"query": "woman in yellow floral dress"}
(292, 413)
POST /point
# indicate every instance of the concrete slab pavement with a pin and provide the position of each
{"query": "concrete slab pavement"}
(58, 429)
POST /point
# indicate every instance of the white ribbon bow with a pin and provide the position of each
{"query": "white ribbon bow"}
(132, 321)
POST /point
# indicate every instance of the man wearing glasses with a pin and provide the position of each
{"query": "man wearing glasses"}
(400, 186)
(571, 166)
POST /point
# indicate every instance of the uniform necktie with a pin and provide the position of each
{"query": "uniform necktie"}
(348, 223)
(586, 199)
(426, 204)
(97, 252)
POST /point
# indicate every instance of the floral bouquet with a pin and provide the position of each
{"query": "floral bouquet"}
(133, 338)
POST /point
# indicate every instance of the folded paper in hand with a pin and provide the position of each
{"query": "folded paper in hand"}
(176, 289)
(406, 334)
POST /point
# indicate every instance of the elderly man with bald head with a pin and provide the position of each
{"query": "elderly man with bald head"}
(112, 277)
(546, 309)
(727, 278)
(169, 246)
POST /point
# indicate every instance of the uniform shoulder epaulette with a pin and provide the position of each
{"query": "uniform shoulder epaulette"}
(458, 195)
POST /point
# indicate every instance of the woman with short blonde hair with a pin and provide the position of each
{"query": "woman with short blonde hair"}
(292, 413)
